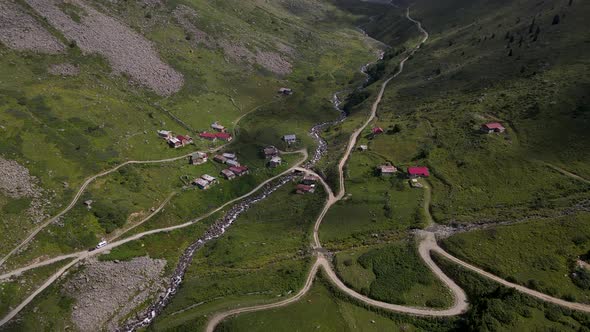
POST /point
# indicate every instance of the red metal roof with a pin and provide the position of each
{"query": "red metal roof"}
(377, 130)
(238, 169)
(422, 171)
(304, 187)
(207, 135)
(494, 125)
(222, 135)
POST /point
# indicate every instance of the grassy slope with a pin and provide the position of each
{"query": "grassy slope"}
(495, 308)
(448, 90)
(327, 56)
(538, 253)
(95, 120)
(393, 273)
(264, 255)
(318, 310)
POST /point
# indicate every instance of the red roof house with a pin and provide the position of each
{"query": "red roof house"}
(377, 130)
(493, 127)
(418, 172)
(303, 189)
(239, 170)
(208, 136)
(224, 136)
(184, 139)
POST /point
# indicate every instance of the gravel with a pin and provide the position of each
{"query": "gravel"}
(20, 31)
(16, 182)
(220, 226)
(106, 292)
(64, 69)
(184, 15)
(126, 50)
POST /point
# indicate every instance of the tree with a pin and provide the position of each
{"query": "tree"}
(570, 3)
(510, 53)
(555, 20)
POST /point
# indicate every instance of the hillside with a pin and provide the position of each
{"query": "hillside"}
(438, 177)
(86, 85)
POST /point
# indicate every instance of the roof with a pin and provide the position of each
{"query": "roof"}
(238, 169)
(183, 138)
(276, 159)
(207, 135)
(208, 177)
(418, 171)
(174, 140)
(388, 169)
(290, 137)
(304, 187)
(227, 172)
(201, 182)
(494, 125)
(164, 132)
(377, 130)
(229, 155)
(222, 135)
(216, 125)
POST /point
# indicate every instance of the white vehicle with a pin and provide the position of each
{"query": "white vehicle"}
(101, 244)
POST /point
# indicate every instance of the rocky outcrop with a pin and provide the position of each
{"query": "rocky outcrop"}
(106, 292)
(126, 50)
(20, 31)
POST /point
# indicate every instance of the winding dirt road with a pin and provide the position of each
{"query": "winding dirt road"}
(86, 254)
(427, 245)
(89, 180)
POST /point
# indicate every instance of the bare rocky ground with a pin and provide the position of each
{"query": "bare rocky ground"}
(16, 182)
(64, 69)
(183, 15)
(106, 292)
(127, 51)
(271, 61)
(20, 31)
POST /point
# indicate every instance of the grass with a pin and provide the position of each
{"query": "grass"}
(264, 255)
(374, 207)
(440, 100)
(15, 290)
(317, 310)
(65, 129)
(393, 273)
(540, 254)
(495, 307)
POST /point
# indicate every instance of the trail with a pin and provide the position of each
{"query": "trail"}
(427, 245)
(460, 300)
(565, 172)
(89, 180)
(86, 254)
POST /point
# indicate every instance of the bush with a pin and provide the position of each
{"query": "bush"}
(581, 278)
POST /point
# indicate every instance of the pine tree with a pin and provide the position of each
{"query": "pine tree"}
(570, 3)
(555, 20)
(510, 53)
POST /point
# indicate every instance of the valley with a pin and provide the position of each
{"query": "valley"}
(328, 222)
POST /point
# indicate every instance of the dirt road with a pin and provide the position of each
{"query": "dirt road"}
(89, 180)
(85, 254)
